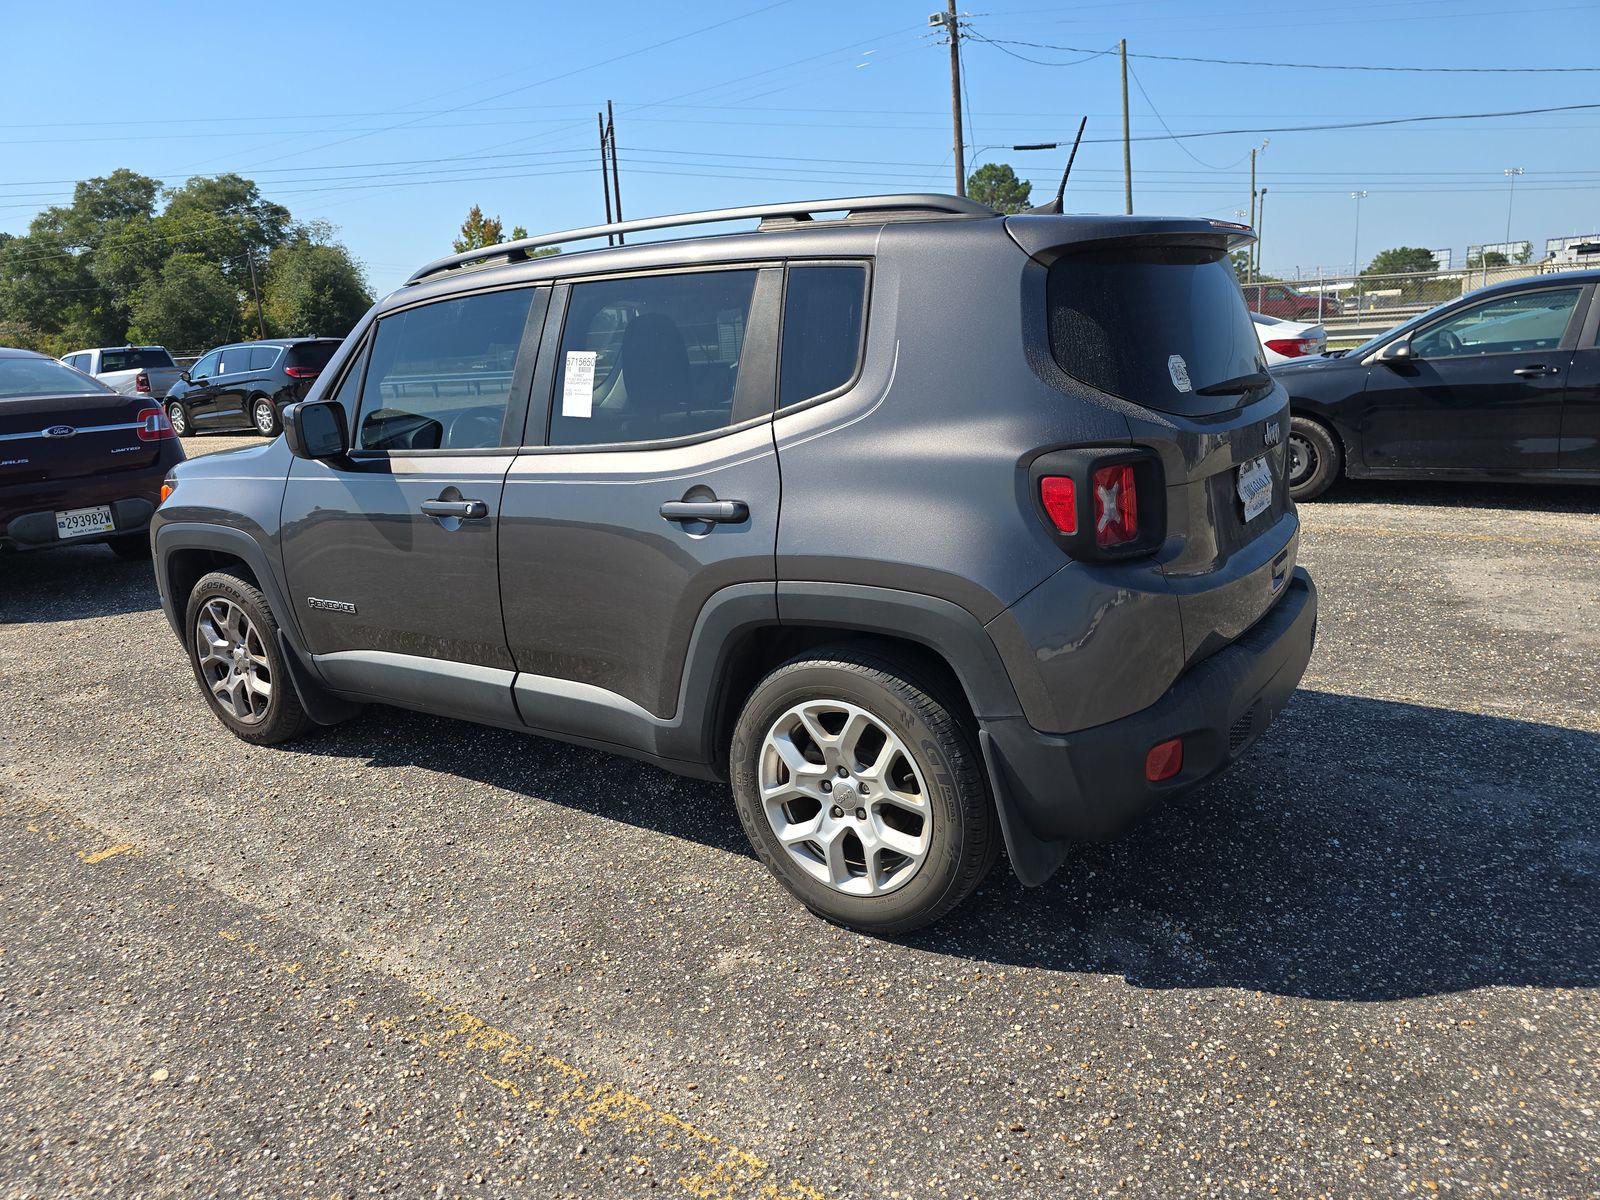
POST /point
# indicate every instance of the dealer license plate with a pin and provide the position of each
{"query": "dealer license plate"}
(76, 522)
(1255, 488)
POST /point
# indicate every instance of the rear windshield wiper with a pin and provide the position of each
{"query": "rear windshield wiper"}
(1239, 383)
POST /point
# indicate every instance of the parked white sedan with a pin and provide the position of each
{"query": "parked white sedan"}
(1284, 341)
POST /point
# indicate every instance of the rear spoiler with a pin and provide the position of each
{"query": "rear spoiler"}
(1044, 237)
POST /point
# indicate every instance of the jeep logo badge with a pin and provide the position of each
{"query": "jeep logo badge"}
(60, 431)
(1274, 433)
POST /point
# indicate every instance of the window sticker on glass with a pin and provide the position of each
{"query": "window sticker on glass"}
(1179, 370)
(577, 392)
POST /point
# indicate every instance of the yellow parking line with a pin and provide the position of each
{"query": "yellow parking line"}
(99, 856)
(706, 1167)
(1455, 535)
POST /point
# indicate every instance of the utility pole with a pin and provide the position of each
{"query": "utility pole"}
(953, 28)
(1355, 248)
(1252, 254)
(616, 179)
(1261, 221)
(255, 290)
(1511, 174)
(605, 177)
(1127, 141)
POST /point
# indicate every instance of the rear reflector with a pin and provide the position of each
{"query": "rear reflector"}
(141, 383)
(166, 490)
(1060, 499)
(154, 426)
(1116, 505)
(1164, 760)
(1293, 347)
(301, 372)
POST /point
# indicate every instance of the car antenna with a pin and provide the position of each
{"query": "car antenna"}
(1055, 207)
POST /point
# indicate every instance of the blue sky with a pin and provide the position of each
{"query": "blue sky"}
(391, 121)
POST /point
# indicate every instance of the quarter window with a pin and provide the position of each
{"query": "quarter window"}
(650, 357)
(823, 311)
(440, 374)
(1510, 324)
(262, 357)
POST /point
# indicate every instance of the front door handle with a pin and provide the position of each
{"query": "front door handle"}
(1535, 372)
(719, 512)
(465, 510)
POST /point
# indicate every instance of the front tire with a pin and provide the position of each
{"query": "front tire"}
(264, 416)
(1315, 458)
(179, 416)
(233, 648)
(862, 791)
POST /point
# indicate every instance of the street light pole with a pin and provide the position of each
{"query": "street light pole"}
(1511, 174)
(1355, 249)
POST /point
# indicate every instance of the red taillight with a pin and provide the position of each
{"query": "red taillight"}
(1292, 347)
(141, 383)
(1164, 760)
(1060, 499)
(1116, 505)
(301, 372)
(154, 425)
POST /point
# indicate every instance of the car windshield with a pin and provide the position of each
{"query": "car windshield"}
(44, 377)
(135, 358)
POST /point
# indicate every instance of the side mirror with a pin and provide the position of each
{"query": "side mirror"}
(184, 375)
(316, 429)
(1399, 351)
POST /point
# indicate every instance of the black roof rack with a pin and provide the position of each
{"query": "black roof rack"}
(771, 216)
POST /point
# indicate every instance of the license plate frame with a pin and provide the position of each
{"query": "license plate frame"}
(81, 522)
(1254, 487)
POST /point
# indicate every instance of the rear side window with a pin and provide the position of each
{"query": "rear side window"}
(439, 377)
(233, 359)
(1152, 324)
(823, 319)
(313, 356)
(650, 357)
(262, 357)
(135, 359)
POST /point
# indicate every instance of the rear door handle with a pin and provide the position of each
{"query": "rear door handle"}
(1534, 372)
(466, 510)
(720, 512)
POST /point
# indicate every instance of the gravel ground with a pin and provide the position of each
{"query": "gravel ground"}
(415, 957)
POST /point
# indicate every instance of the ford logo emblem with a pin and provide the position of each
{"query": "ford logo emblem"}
(60, 431)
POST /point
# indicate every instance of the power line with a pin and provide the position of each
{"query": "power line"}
(1001, 43)
(1176, 140)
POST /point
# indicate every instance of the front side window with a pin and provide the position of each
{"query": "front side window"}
(824, 308)
(651, 357)
(439, 377)
(1511, 324)
(207, 366)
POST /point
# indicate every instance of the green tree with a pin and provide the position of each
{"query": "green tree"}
(478, 231)
(187, 307)
(224, 219)
(314, 289)
(1401, 260)
(997, 185)
(1490, 258)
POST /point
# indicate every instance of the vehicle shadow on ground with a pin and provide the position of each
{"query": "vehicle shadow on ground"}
(1363, 850)
(1524, 497)
(73, 583)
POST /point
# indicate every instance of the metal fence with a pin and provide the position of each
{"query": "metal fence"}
(1353, 308)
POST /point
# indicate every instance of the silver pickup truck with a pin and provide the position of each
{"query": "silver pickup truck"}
(131, 370)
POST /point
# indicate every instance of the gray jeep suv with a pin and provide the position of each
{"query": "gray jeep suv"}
(924, 526)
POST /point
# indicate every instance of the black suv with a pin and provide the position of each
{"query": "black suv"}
(924, 526)
(247, 384)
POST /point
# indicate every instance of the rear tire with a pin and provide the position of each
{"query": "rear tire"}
(232, 642)
(264, 416)
(179, 417)
(883, 820)
(131, 547)
(1315, 458)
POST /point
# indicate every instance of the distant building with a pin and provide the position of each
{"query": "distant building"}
(1577, 251)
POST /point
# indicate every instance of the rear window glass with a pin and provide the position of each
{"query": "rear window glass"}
(44, 377)
(1152, 324)
(823, 308)
(136, 359)
(313, 355)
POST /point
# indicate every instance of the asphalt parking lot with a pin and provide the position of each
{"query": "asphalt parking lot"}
(415, 957)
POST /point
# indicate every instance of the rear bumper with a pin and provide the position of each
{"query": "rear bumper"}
(1054, 789)
(28, 511)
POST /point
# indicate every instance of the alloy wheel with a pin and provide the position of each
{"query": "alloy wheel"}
(233, 660)
(265, 417)
(179, 419)
(845, 797)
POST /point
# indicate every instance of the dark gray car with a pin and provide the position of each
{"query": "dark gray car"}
(929, 529)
